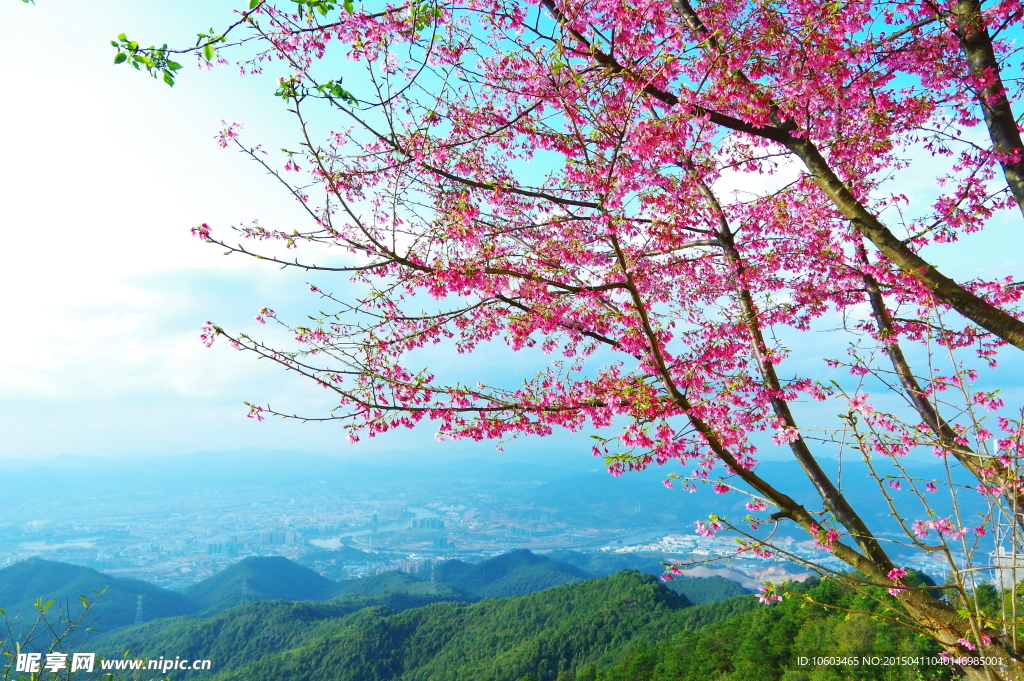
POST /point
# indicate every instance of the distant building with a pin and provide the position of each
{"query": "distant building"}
(231, 548)
(520, 532)
(281, 538)
(428, 524)
(414, 566)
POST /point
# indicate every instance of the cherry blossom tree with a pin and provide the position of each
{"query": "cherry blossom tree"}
(664, 208)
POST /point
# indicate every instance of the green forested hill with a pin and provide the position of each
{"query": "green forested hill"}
(511, 574)
(247, 632)
(765, 644)
(23, 583)
(260, 578)
(495, 640)
(700, 590)
(623, 627)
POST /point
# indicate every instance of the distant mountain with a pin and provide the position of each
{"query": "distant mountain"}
(341, 555)
(622, 627)
(605, 563)
(701, 590)
(260, 578)
(395, 581)
(698, 590)
(23, 583)
(510, 574)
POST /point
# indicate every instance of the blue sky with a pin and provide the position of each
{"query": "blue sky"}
(104, 287)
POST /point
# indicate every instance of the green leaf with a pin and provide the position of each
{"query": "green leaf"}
(120, 58)
(173, 65)
(168, 77)
(122, 37)
(253, 4)
(349, 6)
(208, 52)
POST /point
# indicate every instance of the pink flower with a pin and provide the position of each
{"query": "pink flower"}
(860, 403)
(207, 334)
(228, 134)
(966, 644)
(709, 528)
(768, 595)
(263, 314)
(896, 573)
(786, 436)
(931, 487)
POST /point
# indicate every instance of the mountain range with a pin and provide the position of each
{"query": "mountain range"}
(504, 619)
(276, 578)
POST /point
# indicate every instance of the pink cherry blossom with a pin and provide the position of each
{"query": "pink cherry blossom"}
(663, 222)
